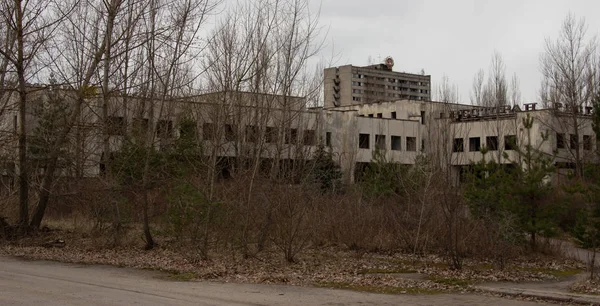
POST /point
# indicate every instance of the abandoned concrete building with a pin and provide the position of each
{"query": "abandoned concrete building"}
(271, 127)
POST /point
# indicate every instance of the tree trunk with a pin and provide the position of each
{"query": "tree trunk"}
(23, 169)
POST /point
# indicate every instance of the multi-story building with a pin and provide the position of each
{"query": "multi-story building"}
(279, 131)
(375, 83)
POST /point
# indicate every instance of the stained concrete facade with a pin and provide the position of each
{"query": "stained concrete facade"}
(347, 85)
(275, 128)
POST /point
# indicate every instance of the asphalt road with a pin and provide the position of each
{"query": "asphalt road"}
(49, 283)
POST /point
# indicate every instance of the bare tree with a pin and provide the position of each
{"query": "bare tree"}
(569, 69)
(30, 24)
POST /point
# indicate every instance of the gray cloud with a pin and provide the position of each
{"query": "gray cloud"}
(453, 38)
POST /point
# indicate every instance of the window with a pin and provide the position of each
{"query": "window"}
(291, 136)
(115, 126)
(229, 132)
(422, 117)
(252, 133)
(396, 143)
(309, 137)
(411, 144)
(370, 115)
(140, 126)
(187, 130)
(573, 142)
(379, 115)
(491, 142)
(164, 129)
(442, 115)
(422, 145)
(458, 145)
(393, 115)
(587, 142)
(356, 99)
(328, 139)
(363, 141)
(380, 142)
(474, 144)
(208, 131)
(560, 141)
(271, 135)
(510, 142)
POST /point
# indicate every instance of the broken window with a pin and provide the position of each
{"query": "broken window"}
(491, 143)
(474, 144)
(510, 142)
(560, 141)
(271, 135)
(396, 143)
(458, 145)
(363, 141)
(411, 144)
(291, 136)
(573, 141)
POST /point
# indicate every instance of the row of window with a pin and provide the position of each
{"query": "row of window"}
(116, 126)
(252, 133)
(389, 87)
(364, 142)
(491, 143)
(391, 80)
(358, 99)
(573, 141)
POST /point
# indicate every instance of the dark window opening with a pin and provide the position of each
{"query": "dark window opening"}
(491, 142)
(291, 136)
(422, 117)
(474, 144)
(115, 126)
(230, 132)
(209, 132)
(370, 115)
(587, 142)
(573, 141)
(510, 142)
(328, 139)
(271, 135)
(396, 143)
(309, 138)
(458, 145)
(140, 126)
(363, 141)
(393, 115)
(379, 115)
(411, 144)
(380, 142)
(164, 129)
(252, 133)
(560, 141)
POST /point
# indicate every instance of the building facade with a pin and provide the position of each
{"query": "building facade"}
(278, 130)
(349, 84)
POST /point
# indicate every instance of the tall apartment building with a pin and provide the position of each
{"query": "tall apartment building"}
(351, 85)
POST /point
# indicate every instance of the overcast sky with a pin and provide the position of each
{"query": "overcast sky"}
(450, 37)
